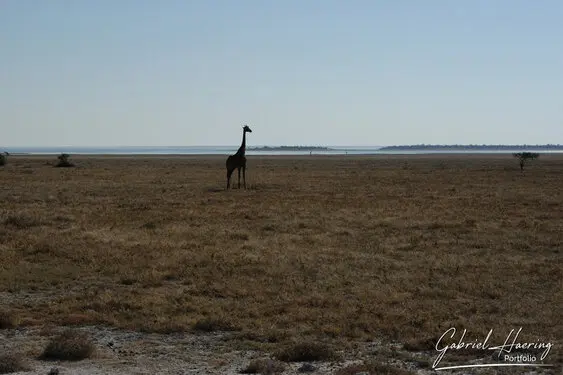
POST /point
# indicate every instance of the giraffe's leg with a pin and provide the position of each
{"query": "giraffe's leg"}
(229, 173)
(239, 177)
(244, 176)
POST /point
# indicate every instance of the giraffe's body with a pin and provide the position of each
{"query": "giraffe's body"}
(238, 160)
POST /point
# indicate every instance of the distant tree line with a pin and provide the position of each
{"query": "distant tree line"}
(473, 147)
(63, 160)
(289, 148)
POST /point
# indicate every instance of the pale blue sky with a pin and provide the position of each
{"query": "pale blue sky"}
(308, 72)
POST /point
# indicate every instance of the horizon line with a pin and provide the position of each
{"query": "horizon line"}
(296, 145)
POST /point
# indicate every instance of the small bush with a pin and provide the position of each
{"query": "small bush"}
(213, 324)
(8, 320)
(3, 158)
(10, 363)
(149, 225)
(264, 366)
(22, 221)
(239, 236)
(371, 368)
(63, 161)
(305, 351)
(420, 345)
(69, 346)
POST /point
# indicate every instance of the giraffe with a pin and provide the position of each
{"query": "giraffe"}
(238, 160)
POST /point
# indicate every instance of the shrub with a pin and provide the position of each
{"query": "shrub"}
(22, 221)
(63, 161)
(371, 368)
(69, 346)
(10, 363)
(8, 320)
(264, 366)
(424, 344)
(3, 158)
(213, 324)
(305, 351)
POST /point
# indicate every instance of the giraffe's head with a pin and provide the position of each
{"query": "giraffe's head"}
(245, 128)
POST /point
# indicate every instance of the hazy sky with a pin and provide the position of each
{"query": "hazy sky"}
(307, 72)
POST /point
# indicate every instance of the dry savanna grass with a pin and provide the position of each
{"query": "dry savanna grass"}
(10, 363)
(326, 249)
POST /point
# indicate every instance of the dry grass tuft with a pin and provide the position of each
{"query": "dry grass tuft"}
(371, 368)
(149, 225)
(264, 367)
(8, 319)
(306, 351)
(22, 221)
(10, 363)
(419, 345)
(71, 345)
(213, 324)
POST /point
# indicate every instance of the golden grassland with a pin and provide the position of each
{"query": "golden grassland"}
(341, 249)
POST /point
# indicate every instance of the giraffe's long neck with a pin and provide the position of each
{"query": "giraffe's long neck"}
(242, 148)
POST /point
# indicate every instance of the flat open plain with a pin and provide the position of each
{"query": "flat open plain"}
(390, 250)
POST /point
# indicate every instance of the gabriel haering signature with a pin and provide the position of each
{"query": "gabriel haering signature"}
(505, 351)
